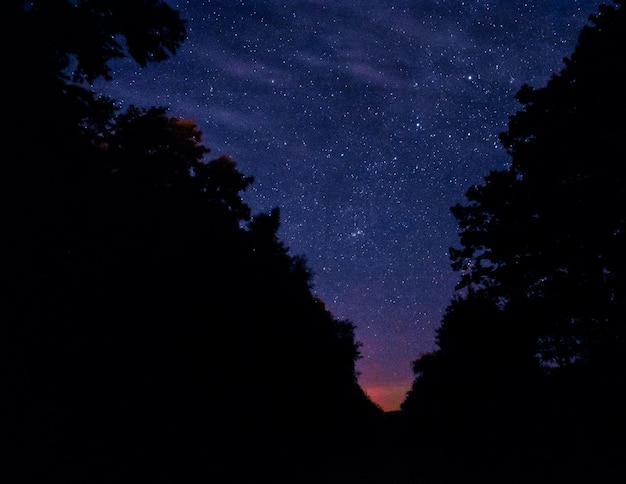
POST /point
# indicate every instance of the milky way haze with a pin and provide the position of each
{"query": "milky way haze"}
(364, 122)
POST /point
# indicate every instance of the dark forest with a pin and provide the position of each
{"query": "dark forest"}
(156, 330)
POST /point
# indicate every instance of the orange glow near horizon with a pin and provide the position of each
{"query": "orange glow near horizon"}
(388, 396)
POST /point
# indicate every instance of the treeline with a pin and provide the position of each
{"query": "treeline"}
(153, 329)
(528, 381)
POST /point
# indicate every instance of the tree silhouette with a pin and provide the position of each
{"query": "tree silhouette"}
(542, 268)
(55, 124)
(152, 328)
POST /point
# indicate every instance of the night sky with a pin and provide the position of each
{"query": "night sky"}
(364, 122)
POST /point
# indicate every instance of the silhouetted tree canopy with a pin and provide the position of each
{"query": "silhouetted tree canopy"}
(532, 352)
(77, 39)
(153, 329)
(547, 234)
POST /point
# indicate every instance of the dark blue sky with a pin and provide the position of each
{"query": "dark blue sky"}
(364, 122)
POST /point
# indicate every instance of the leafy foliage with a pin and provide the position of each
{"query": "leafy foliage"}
(154, 330)
(539, 320)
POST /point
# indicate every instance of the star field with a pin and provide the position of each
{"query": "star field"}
(364, 122)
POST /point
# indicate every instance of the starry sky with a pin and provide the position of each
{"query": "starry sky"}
(364, 122)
